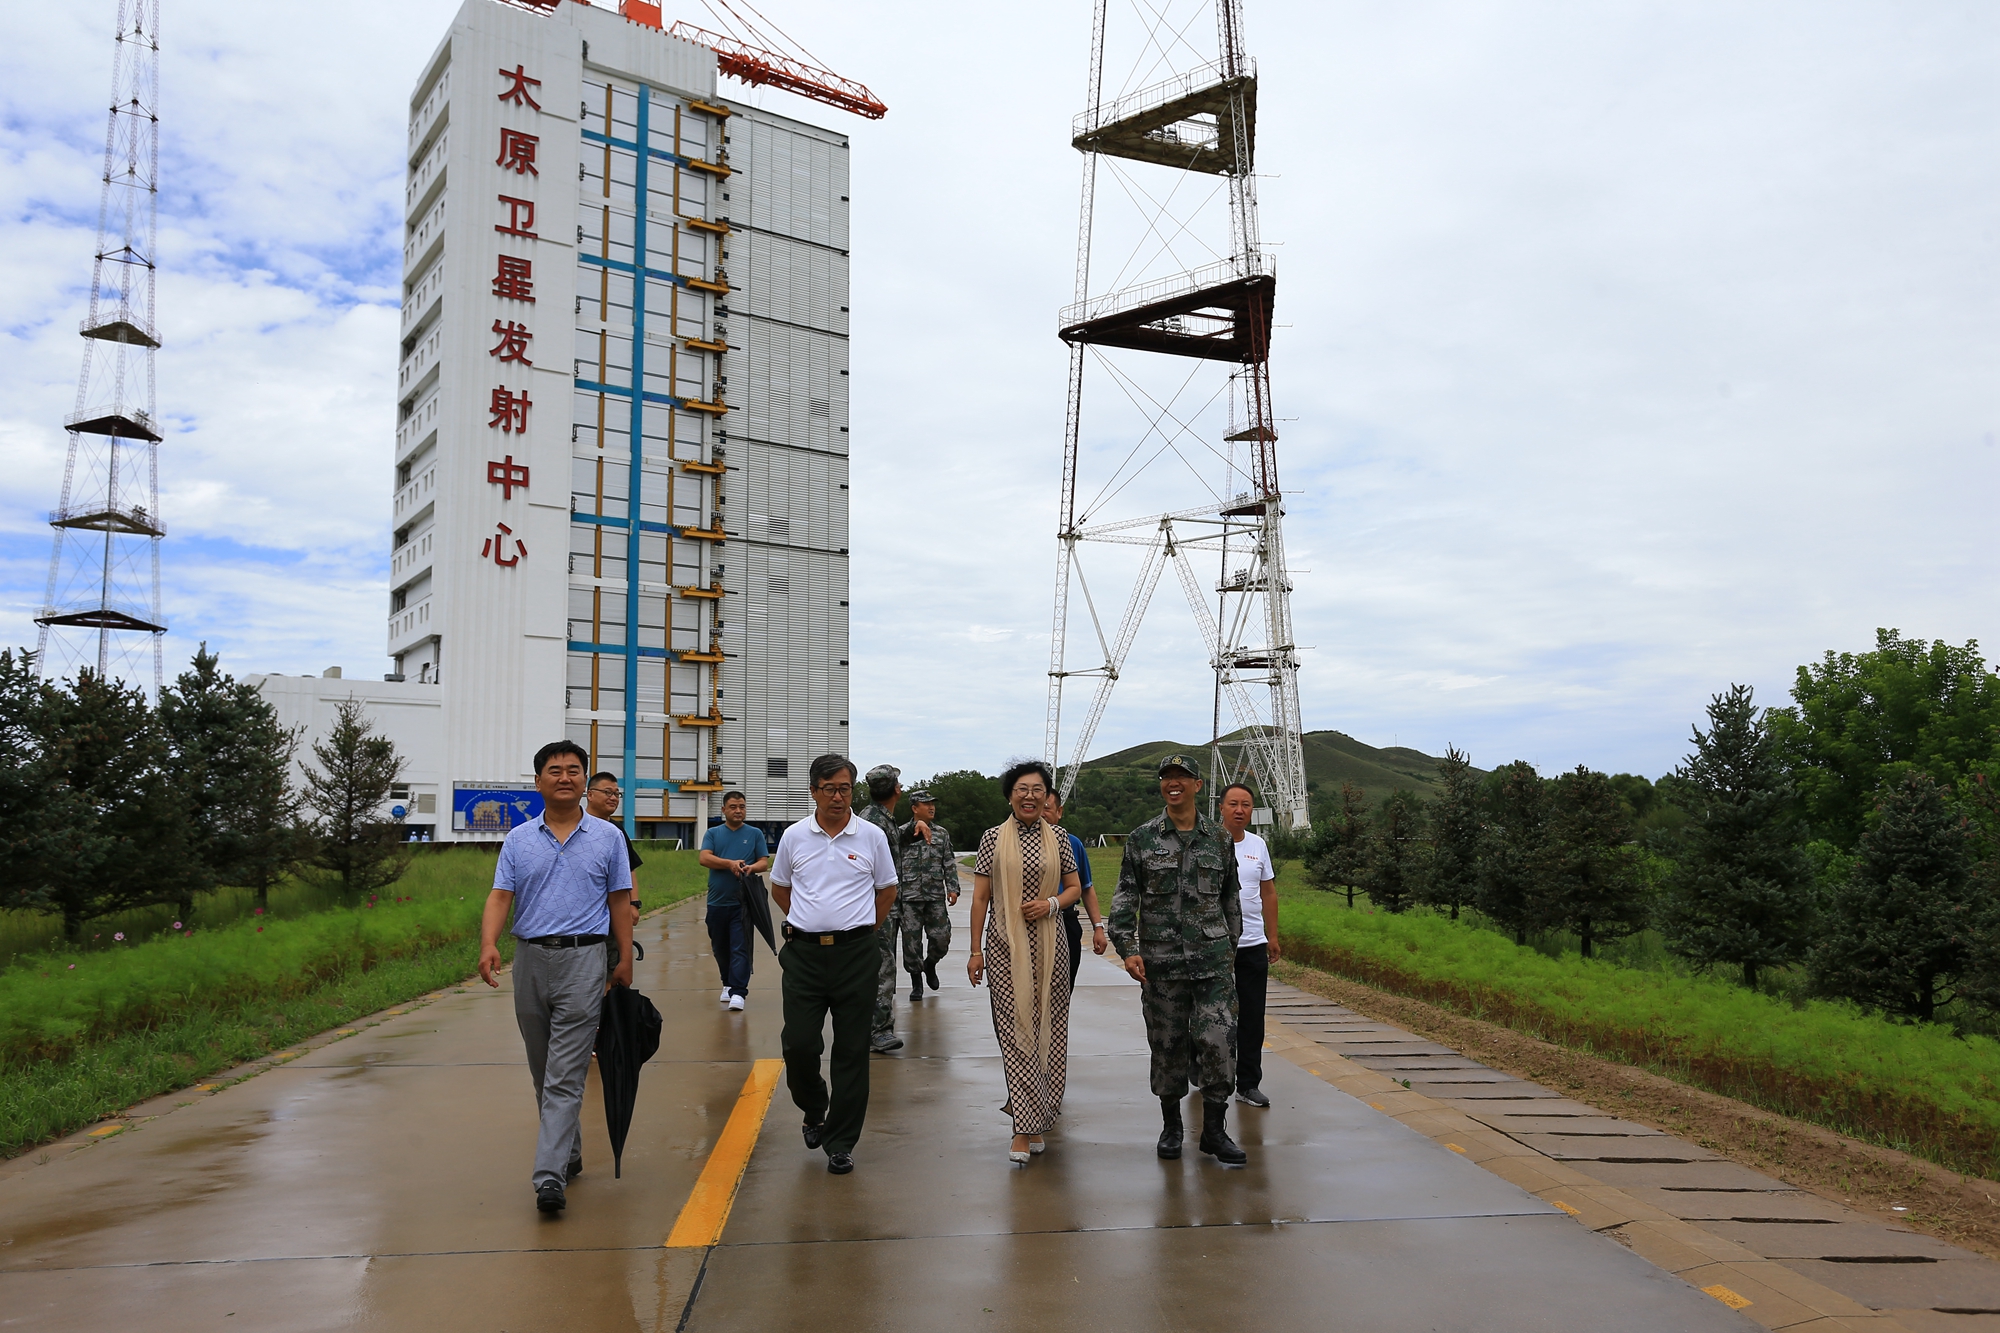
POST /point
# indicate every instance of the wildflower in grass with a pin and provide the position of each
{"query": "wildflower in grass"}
(119, 936)
(72, 967)
(256, 911)
(177, 925)
(260, 930)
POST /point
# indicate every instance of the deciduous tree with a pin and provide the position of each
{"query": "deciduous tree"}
(1861, 720)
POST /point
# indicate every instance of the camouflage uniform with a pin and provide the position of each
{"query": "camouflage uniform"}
(1177, 908)
(885, 938)
(926, 876)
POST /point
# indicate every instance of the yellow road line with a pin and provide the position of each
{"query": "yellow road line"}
(707, 1209)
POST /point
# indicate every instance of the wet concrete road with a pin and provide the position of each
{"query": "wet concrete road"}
(381, 1182)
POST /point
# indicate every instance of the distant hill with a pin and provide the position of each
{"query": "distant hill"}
(1332, 757)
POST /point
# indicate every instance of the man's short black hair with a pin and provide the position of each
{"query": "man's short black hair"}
(554, 748)
(606, 776)
(1019, 769)
(827, 765)
(729, 796)
(1243, 787)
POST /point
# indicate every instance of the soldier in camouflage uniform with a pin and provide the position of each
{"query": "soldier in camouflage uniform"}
(1175, 921)
(885, 789)
(927, 880)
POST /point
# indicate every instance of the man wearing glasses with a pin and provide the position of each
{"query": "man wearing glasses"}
(834, 878)
(602, 800)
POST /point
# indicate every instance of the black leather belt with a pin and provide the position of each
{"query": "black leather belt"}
(826, 936)
(566, 941)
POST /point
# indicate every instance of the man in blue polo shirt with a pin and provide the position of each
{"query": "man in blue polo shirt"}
(565, 877)
(731, 850)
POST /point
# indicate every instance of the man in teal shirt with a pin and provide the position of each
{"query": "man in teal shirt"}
(731, 850)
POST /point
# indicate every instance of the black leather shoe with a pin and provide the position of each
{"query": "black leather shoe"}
(839, 1163)
(574, 1169)
(1171, 1133)
(549, 1197)
(1215, 1140)
(930, 976)
(815, 1134)
(1254, 1096)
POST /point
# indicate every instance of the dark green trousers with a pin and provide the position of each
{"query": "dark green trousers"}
(822, 978)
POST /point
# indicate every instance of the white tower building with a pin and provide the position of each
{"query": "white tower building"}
(620, 495)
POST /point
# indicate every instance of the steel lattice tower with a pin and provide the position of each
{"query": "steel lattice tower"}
(102, 610)
(1201, 122)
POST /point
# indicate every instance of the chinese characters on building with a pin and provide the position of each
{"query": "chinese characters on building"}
(513, 280)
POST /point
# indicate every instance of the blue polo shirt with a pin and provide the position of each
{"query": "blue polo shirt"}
(745, 844)
(559, 888)
(1082, 860)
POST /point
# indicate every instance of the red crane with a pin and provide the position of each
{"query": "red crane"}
(752, 64)
(740, 60)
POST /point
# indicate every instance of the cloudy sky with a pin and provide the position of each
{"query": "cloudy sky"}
(1626, 349)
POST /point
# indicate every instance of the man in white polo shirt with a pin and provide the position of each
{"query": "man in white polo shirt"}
(834, 878)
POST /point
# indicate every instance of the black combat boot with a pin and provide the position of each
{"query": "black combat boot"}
(1215, 1140)
(1170, 1128)
(916, 987)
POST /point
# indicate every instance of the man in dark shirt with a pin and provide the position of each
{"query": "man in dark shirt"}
(730, 851)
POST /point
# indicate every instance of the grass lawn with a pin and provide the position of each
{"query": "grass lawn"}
(85, 1032)
(1916, 1087)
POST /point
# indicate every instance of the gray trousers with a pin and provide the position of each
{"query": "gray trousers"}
(558, 994)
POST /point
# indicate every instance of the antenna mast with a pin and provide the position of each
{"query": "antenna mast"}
(1200, 122)
(102, 608)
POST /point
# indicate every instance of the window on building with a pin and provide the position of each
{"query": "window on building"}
(777, 768)
(400, 792)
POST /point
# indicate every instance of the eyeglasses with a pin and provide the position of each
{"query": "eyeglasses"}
(613, 792)
(1019, 790)
(845, 789)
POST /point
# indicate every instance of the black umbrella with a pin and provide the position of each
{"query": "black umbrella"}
(758, 905)
(628, 1033)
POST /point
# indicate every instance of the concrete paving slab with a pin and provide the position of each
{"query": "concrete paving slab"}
(1853, 1242)
(1949, 1321)
(1687, 1175)
(1536, 1121)
(1506, 1274)
(1965, 1284)
(1657, 1149)
(1757, 1206)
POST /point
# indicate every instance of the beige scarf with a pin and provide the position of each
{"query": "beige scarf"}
(1033, 1026)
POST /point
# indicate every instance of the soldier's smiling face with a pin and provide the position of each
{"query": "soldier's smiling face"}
(1178, 789)
(924, 810)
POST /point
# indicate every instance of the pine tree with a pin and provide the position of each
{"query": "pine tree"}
(1513, 849)
(1593, 885)
(36, 810)
(1741, 888)
(234, 761)
(1339, 849)
(122, 831)
(1393, 873)
(1911, 920)
(356, 770)
(1452, 878)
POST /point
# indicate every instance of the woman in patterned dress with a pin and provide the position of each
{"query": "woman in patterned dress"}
(1025, 874)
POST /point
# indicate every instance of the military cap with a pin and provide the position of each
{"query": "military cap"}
(889, 771)
(1180, 761)
(922, 797)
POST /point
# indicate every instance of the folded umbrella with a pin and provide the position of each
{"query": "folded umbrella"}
(628, 1033)
(757, 904)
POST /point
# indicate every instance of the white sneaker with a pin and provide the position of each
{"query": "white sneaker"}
(725, 996)
(736, 1002)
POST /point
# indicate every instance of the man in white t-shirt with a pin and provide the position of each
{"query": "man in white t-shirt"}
(834, 878)
(1259, 944)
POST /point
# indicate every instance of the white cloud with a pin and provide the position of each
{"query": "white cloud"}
(1625, 351)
